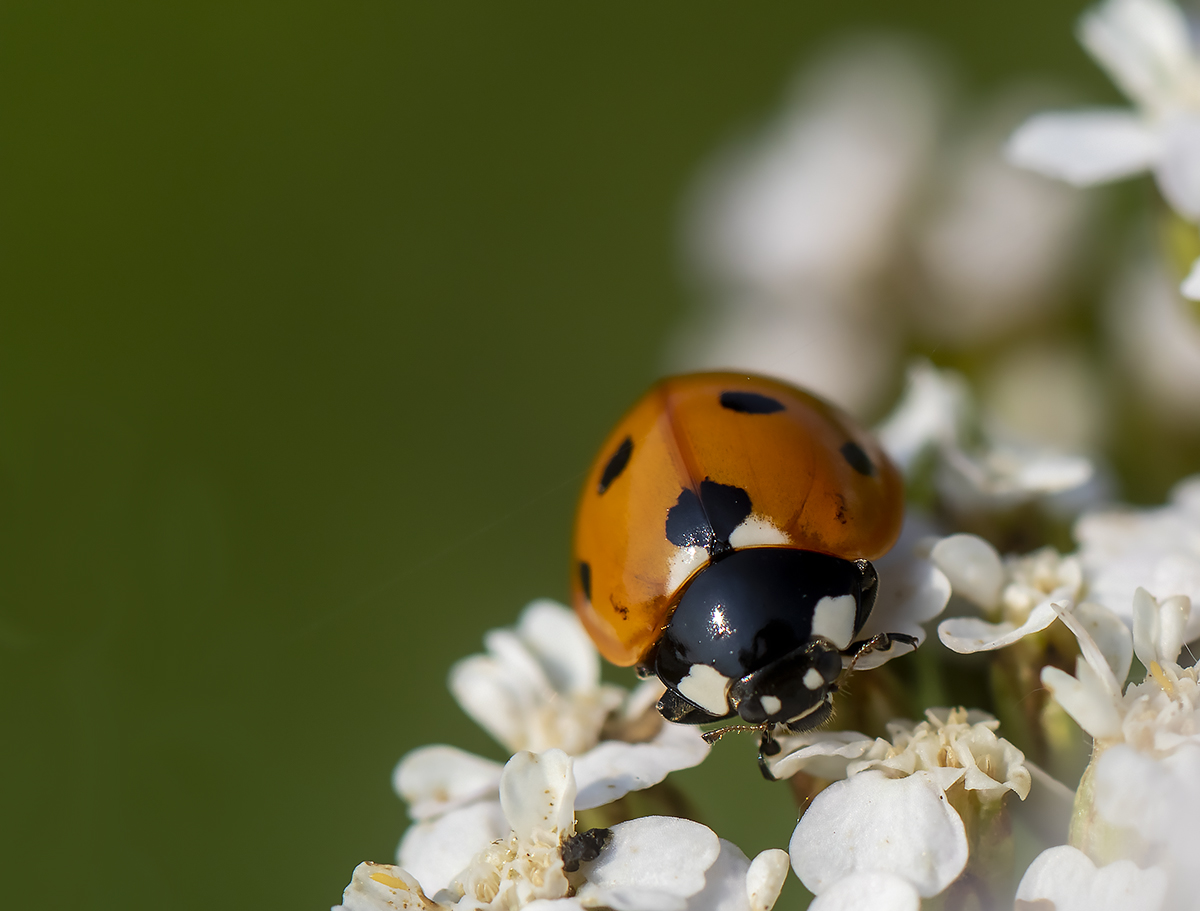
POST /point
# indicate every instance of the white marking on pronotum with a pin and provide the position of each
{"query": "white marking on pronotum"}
(771, 704)
(706, 687)
(684, 562)
(834, 619)
(757, 531)
(813, 679)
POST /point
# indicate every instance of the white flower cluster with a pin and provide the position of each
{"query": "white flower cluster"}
(1137, 805)
(893, 820)
(504, 837)
(541, 862)
(895, 813)
(1121, 551)
(1133, 838)
(538, 688)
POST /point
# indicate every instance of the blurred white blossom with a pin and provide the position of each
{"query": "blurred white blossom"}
(855, 220)
(819, 196)
(937, 419)
(1157, 549)
(1156, 339)
(997, 246)
(1045, 393)
(1148, 49)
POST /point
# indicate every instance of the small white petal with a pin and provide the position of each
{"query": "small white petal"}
(1111, 636)
(625, 898)
(1101, 669)
(537, 793)
(1085, 699)
(498, 692)
(652, 854)
(1190, 288)
(973, 567)
(724, 882)
(868, 892)
(1174, 614)
(967, 635)
(824, 754)
(554, 635)
(436, 850)
(382, 887)
(1145, 626)
(1085, 147)
(765, 878)
(612, 769)
(872, 823)
(1158, 628)
(554, 904)
(1069, 881)
(436, 779)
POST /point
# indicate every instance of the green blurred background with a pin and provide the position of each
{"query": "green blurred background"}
(312, 316)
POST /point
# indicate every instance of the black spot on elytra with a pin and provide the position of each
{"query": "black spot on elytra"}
(585, 578)
(615, 465)
(750, 403)
(584, 847)
(709, 519)
(858, 459)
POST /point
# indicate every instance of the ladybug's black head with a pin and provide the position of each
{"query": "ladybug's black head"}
(761, 633)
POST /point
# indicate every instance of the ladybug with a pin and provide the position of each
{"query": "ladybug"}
(723, 543)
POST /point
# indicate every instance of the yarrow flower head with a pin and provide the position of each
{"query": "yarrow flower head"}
(1139, 797)
(1158, 549)
(901, 807)
(538, 686)
(542, 861)
(1016, 594)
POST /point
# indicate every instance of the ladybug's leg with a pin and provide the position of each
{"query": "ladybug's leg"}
(767, 746)
(674, 707)
(880, 642)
